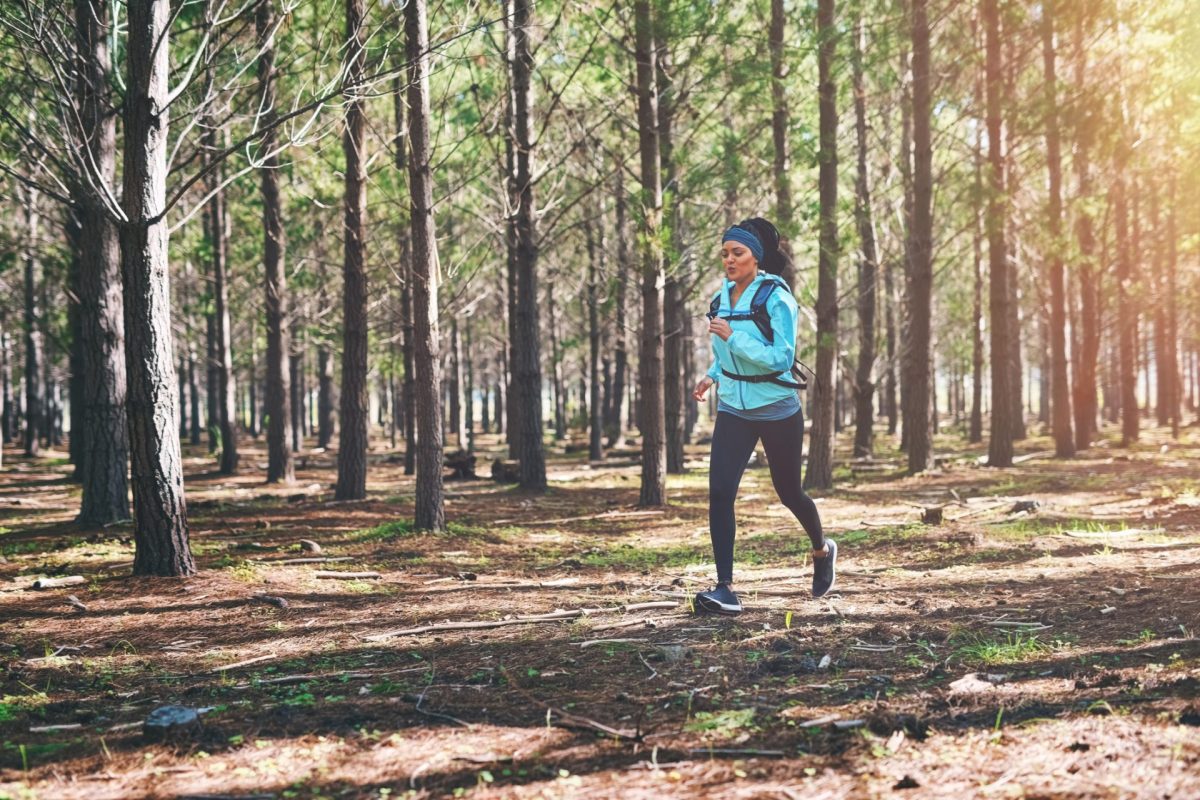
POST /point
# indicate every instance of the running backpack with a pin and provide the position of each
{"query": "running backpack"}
(759, 316)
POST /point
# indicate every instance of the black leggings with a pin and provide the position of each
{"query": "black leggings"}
(732, 443)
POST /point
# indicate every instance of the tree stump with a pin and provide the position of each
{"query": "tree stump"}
(506, 471)
(463, 465)
(932, 515)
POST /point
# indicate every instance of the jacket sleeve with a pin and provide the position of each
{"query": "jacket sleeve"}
(776, 357)
(714, 371)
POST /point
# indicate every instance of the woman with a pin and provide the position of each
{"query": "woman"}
(752, 366)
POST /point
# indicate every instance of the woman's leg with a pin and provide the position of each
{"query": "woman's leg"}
(732, 443)
(784, 442)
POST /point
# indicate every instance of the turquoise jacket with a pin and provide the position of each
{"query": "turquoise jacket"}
(746, 352)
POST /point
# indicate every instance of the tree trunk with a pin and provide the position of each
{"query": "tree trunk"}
(1171, 365)
(9, 416)
(1126, 377)
(527, 363)
(779, 134)
(917, 375)
(296, 372)
(1060, 389)
(355, 410)
(868, 265)
(325, 401)
(280, 468)
(1000, 446)
(160, 510)
(225, 417)
(193, 381)
(616, 421)
(556, 376)
(456, 383)
(1162, 367)
(674, 314)
(430, 505)
(1089, 350)
(819, 474)
(102, 435)
(595, 419)
(34, 355)
(469, 394)
(650, 362)
(975, 428)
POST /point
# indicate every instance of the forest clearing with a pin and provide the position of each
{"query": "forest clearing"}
(1049, 652)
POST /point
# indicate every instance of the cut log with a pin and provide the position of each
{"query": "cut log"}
(309, 546)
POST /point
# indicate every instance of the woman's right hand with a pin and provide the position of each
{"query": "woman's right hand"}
(702, 388)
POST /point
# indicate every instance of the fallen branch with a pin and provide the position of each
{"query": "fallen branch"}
(345, 576)
(556, 616)
(54, 583)
(713, 752)
(1102, 535)
(311, 560)
(649, 622)
(74, 602)
(572, 721)
(595, 642)
(603, 515)
(270, 599)
(73, 726)
(245, 663)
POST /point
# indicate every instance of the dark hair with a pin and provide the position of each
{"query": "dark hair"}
(776, 257)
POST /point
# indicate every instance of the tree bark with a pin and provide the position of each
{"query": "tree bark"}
(160, 510)
(1000, 445)
(975, 428)
(225, 418)
(868, 265)
(102, 435)
(556, 375)
(916, 371)
(819, 474)
(408, 386)
(280, 468)
(456, 383)
(1060, 389)
(1171, 365)
(1126, 378)
(355, 410)
(595, 419)
(527, 362)
(1086, 405)
(430, 504)
(650, 361)
(616, 421)
(34, 351)
(784, 212)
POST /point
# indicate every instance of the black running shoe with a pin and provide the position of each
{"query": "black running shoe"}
(720, 600)
(824, 573)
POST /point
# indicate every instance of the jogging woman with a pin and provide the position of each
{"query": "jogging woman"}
(753, 327)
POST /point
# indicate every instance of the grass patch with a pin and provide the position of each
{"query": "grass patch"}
(723, 724)
(404, 528)
(1013, 648)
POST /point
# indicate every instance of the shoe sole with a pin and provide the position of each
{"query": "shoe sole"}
(833, 583)
(704, 604)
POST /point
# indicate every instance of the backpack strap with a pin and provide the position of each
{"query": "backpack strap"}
(758, 309)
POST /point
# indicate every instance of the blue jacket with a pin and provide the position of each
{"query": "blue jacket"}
(746, 352)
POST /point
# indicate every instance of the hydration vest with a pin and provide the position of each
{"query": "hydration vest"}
(759, 316)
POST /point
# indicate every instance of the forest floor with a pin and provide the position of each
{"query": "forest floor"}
(1049, 652)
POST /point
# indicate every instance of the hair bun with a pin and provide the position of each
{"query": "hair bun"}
(775, 258)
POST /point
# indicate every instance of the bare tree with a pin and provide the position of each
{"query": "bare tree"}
(868, 264)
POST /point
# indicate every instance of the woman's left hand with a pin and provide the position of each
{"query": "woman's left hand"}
(720, 328)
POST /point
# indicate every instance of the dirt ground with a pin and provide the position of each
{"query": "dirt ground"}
(1040, 642)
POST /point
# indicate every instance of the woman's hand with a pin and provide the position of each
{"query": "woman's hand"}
(720, 327)
(702, 388)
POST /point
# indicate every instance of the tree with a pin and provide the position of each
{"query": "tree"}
(1060, 391)
(820, 459)
(527, 369)
(352, 443)
(160, 511)
(650, 363)
(1000, 444)
(430, 503)
(868, 264)
(779, 132)
(1086, 406)
(280, 468)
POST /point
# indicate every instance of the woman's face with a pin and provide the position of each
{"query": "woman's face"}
(740, 264)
